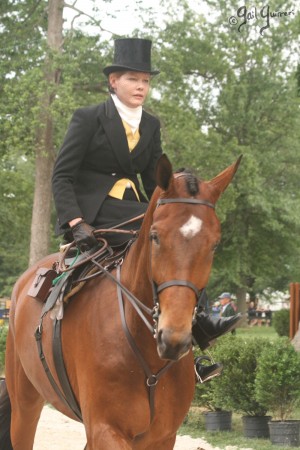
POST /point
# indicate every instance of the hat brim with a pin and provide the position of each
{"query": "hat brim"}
(117, 68)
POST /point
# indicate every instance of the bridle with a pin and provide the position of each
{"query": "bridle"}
(141, 309)
(139, 306)
(157, 289)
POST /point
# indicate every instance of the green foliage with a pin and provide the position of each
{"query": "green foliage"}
(241, 91)
(237, 384)
(277, 384)
(221, 93)
(208, 394)
(234, 390)
(205, 396)
(23, 44)
(16, 188)
(195, 427)
(281, 322)
(259, 376)
(3, 336)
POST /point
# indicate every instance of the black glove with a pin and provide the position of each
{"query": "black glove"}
(84, 237)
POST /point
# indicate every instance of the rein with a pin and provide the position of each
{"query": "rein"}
(135, 302)
(66, 395)
(152, 379)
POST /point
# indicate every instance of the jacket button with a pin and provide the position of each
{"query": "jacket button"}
(113, 174)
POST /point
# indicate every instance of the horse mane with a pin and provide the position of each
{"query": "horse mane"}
(191, 181)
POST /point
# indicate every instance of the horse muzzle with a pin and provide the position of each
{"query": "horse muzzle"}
(173, 345)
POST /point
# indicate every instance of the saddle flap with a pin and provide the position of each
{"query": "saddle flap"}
(42, 283)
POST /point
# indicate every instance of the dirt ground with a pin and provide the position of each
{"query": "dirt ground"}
(58, 432)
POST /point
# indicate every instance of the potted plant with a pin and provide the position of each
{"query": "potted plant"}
(277, 387)
(216, 418)
(236, 387)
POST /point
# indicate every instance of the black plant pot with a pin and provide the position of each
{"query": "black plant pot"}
(218, 420)
(285, 433)
(256, 426)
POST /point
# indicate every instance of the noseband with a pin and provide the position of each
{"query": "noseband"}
(159, 288)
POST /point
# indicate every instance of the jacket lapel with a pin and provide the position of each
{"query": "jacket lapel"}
(147, 127)
(116, 135)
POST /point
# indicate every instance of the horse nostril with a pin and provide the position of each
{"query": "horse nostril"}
(171, 345)
(159, 336)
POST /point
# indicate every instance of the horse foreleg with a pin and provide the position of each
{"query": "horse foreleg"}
(26, 407)
(165, 444)
(26, 402)
(24, 424)
(5, 417)
(105, 437)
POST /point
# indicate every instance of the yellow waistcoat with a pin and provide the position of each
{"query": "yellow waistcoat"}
(119, 187)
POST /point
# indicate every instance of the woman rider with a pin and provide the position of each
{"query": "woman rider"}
(95, 179)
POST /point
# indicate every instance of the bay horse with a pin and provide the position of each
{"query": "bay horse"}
(174, 253)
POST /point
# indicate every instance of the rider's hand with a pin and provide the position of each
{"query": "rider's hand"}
(83, 234)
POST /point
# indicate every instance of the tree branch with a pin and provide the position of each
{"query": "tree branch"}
(91, 88)
(82, 13)
(32, 11)
(201, 74)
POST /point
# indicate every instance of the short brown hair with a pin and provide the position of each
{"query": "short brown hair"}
(118, 75)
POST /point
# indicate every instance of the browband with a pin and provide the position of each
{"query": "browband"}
(193, 201)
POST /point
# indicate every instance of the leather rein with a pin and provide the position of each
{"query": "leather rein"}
(66, 394)
(135, 302)
(151, 379)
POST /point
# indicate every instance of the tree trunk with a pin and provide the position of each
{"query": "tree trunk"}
(41, 213)
(241, 299)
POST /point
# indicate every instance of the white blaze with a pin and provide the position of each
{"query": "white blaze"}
(191, 227)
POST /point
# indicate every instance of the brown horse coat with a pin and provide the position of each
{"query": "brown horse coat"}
(176, 241)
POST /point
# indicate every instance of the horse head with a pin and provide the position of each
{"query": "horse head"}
(184, 234)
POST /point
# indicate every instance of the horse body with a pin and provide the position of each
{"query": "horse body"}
(106, 376)
(106, 366)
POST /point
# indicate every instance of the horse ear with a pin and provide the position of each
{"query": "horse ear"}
(163, 172)
(221, 181)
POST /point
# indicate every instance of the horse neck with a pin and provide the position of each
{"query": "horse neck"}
(135, 270)
(135, 276)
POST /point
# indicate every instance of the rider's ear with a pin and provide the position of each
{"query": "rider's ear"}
(164, 172)
(221, 181)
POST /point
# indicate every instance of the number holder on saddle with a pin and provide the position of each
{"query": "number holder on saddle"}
(42, 283)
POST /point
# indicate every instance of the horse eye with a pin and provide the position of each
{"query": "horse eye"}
(154, 237)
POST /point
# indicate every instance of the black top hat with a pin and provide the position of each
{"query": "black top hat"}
(131, 54)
